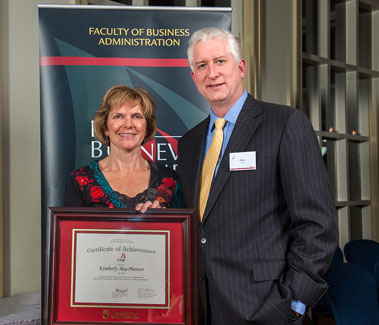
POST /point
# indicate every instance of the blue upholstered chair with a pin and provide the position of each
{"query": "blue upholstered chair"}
(352, 295)
(338, 256)
(364, 252)
(376, 271)
(322, 308)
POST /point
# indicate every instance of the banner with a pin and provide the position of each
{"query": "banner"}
(84, 50)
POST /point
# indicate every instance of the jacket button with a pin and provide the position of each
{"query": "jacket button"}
(203, 240)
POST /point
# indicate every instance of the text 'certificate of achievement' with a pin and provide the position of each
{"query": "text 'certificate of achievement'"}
(113, 267)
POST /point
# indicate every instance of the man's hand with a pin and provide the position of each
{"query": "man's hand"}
(296, 314)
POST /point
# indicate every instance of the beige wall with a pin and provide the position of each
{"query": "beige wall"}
(374, 130)
(1, 163)
(277, 65)
(21, 146)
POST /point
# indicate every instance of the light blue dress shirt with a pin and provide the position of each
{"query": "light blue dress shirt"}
(231, 118)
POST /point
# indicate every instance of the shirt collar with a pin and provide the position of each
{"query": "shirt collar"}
(233, 113)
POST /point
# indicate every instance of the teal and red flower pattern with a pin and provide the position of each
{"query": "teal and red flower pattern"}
(87, 186)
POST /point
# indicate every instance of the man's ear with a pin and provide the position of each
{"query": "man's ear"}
(242, 67)
(193, 77)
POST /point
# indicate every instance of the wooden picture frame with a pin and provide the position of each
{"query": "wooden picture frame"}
(120, 266)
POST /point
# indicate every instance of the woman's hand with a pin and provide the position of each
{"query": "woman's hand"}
(142, 207)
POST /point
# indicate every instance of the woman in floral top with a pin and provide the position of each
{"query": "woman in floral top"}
(124, 179)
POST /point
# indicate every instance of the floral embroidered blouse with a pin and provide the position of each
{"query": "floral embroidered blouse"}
(87, 186)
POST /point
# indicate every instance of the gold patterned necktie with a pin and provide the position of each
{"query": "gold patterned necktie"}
(209, 165)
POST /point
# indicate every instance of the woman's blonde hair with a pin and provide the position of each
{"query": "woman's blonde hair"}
(117, 96)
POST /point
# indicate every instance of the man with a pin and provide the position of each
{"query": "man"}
(267, 230)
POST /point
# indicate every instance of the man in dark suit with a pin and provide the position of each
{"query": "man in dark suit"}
(267, 230)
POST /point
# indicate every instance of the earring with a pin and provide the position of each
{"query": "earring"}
(107, 142)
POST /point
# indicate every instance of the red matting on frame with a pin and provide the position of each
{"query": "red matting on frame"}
(177, 229)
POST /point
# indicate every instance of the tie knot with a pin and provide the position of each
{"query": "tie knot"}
(219, 123)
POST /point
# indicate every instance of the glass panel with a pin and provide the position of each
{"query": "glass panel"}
(337, 30)
(337, 115)
(364, 38)
(310, 104)
(215, 3)
(125, 2)
(355, 223)
(364, 153)
(342, 170)
(167, 2)
(328, 150)
(343, 225)
(337, 98)
(364, 94)
(328, 116)
(352, 106)
(354, 170)
(310, 26)
(309, 86)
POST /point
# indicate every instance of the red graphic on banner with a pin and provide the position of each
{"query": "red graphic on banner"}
(149, 149)
(130, 62)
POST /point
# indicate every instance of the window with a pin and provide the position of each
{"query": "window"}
(337, 79)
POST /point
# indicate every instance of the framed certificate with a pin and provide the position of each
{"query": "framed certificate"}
(120, 266)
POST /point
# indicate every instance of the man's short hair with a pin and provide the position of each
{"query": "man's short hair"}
(207, 34)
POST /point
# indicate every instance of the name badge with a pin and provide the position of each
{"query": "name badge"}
(242, 161)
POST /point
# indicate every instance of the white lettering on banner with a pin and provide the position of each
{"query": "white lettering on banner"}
(163, 154)
(172, 152)
(92, 132)
(96, 151)
(151, 153)
(160, 151)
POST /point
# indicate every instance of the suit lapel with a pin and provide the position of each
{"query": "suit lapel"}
(193, 165)
(245, 128)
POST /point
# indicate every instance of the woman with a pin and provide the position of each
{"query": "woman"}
(124, 121)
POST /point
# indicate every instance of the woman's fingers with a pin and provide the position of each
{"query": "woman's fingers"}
(142, 207)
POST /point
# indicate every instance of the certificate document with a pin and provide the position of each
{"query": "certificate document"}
(113, 267)
(108, 266)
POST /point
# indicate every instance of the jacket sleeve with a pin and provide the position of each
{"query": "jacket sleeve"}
(311, 207)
